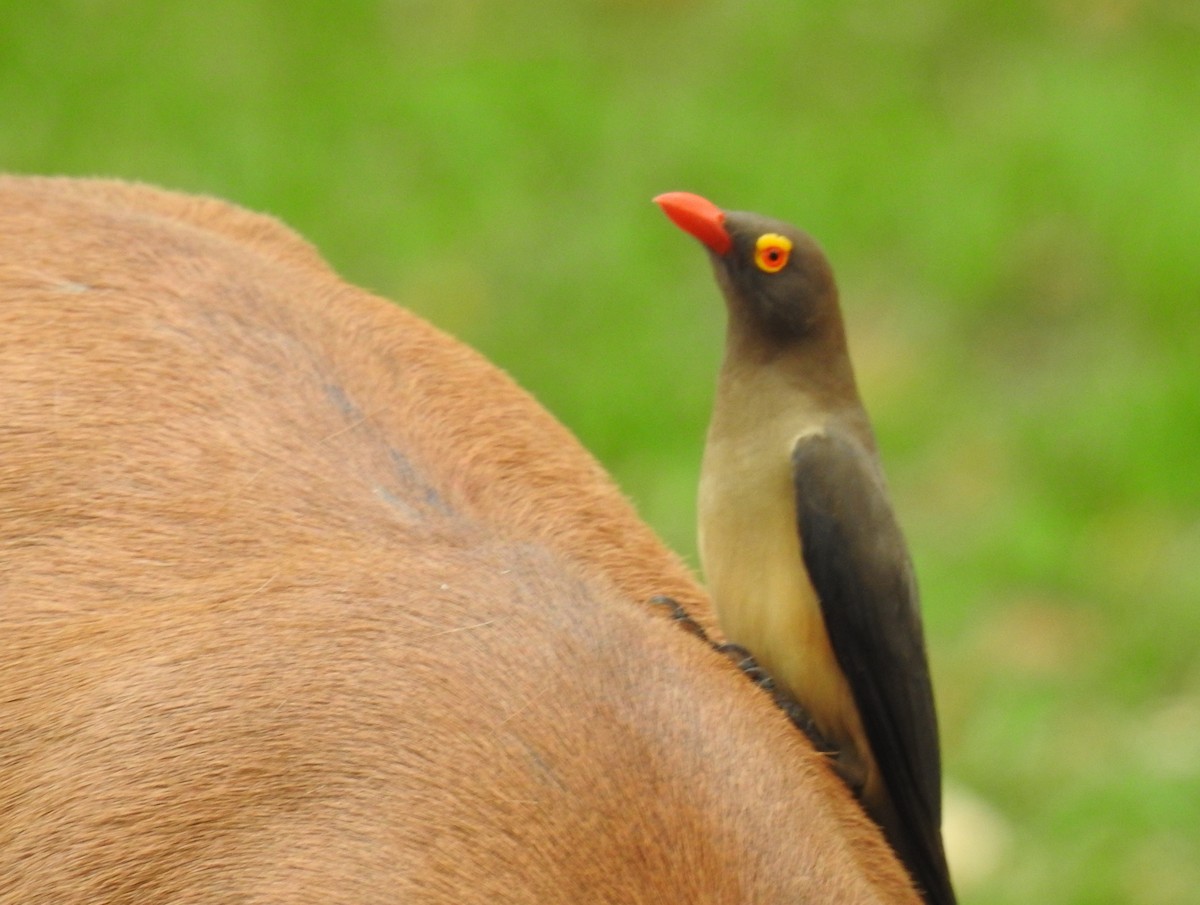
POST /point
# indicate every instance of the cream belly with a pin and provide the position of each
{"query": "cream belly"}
(750, 550)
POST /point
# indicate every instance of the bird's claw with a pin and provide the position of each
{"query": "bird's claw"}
(746, 663)
(680, 615)
(800, 718)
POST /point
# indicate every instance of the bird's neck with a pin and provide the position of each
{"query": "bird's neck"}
(815, 366)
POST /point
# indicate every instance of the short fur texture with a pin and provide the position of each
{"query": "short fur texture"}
(302, 601)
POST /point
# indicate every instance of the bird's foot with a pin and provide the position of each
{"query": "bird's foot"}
(799, 717)
(680, 615)
(745, 661)
(803, 721)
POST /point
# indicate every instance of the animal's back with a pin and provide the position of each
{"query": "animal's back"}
(302, 601)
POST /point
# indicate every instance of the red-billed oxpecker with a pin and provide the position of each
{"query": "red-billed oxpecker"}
(807, 566)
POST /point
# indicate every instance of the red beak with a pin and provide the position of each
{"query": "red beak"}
(698, 216)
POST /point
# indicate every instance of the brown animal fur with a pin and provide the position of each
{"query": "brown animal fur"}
(302, 601)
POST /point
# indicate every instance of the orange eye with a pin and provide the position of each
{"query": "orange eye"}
(771, 252)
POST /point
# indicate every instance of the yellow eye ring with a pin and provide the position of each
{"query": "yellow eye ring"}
(771, 252)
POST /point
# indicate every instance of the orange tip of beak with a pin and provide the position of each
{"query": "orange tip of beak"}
(697, 216)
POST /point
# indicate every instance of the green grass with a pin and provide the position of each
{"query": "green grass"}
(1010, 194)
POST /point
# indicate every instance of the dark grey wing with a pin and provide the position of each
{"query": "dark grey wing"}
(859, 566)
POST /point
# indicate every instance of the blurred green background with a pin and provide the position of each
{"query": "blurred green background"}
(1010, 194)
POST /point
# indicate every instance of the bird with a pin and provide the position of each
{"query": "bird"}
(802, 552)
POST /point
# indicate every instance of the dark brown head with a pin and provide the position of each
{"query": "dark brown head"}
(777, 282)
